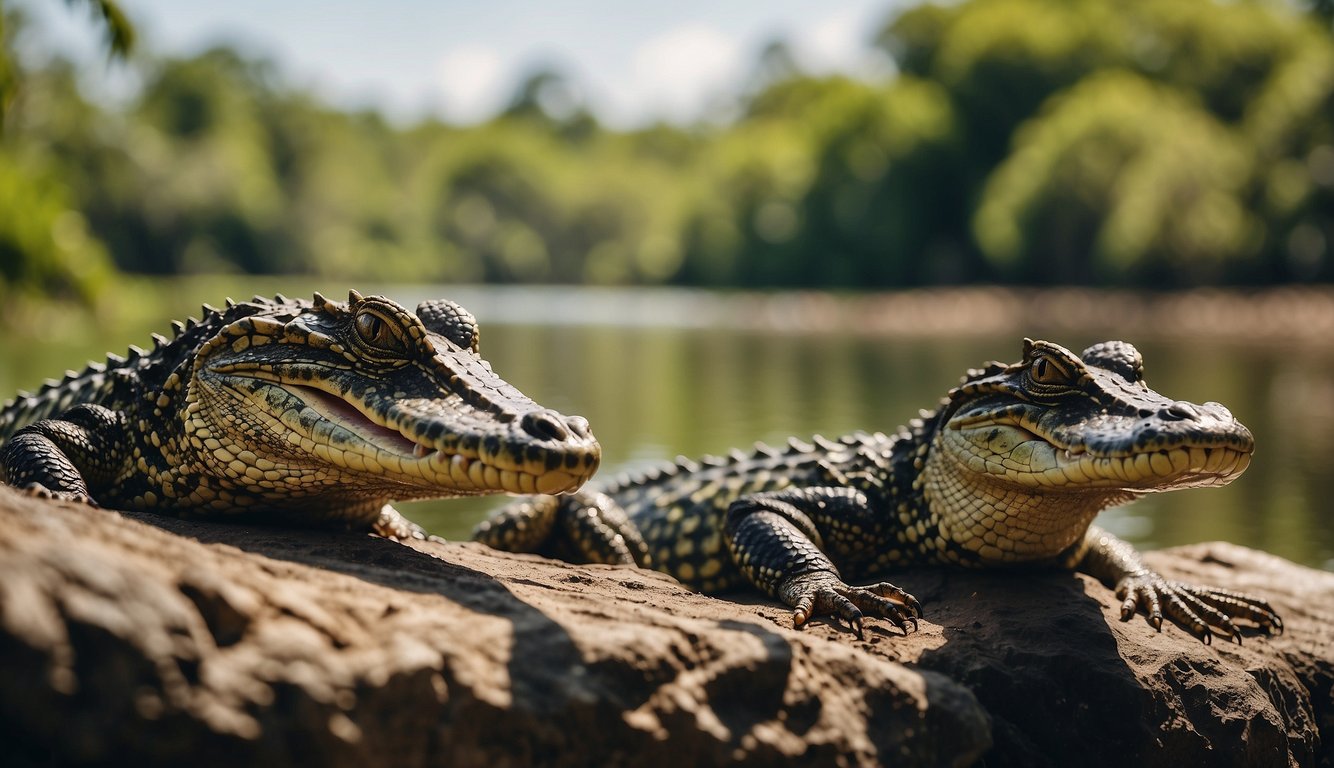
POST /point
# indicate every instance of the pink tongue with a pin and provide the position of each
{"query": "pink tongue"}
(354, 420)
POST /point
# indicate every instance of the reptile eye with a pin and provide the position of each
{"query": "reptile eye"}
(1044, 371)
(376, 332)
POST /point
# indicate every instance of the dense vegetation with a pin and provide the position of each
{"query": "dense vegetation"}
(1126, 142)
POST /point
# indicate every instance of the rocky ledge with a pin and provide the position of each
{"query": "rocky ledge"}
(137, 639)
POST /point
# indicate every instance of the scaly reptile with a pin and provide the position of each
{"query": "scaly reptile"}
(308, 411)
(1011, 468)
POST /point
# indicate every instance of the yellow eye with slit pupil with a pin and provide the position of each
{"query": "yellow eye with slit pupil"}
(1043, 371)
(376, 331)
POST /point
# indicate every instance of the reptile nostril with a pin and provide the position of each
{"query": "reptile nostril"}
(579, 426)
(1180, 411)
(545, 425)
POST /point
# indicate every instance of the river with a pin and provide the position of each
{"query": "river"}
(661, 374)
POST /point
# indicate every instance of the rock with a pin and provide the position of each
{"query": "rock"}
(137, 638)
(146, 640)
(1065, 682)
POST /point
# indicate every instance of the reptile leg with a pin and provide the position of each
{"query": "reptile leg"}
(1201, 610)
(61, 457)
(776, 541)
(35, 464)
(523, 526)
(391, 524)
(600, 531)
(582, 527)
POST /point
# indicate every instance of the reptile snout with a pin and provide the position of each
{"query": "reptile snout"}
(549, 425)
(1182, 422)
(550, 441)
(1180, 411)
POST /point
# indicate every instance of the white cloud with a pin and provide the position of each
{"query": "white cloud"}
(836, 42)
(474, 83)
(840, 42)
(675, 75)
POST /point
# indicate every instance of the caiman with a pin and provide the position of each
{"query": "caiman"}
(1010, 469)
(306, 411)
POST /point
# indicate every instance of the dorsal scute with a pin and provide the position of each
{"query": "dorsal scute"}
(1117, 356)
(451, 321)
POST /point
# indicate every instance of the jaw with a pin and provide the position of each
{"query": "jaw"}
(1006, 495)
(1155, 471)
(1021, 458)
(305, 441)
(463, 468)
(998, 519)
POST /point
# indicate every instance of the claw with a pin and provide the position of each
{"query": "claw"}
(1203, 611)
(802, 612)
(42, 492)
(825, 594)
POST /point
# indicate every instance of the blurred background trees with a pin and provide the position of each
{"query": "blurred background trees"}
(1145, 143)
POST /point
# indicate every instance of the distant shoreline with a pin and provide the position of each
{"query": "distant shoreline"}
(1296, 314)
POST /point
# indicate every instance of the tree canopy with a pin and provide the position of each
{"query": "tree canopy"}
(1151, 143)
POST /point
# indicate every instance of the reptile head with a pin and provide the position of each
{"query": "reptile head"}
(1055, 421)
(1025, 455)
(364, 400)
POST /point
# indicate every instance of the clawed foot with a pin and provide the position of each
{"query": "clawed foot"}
(391, 524)
(823, 594)
(1202, 611)
(42, 492)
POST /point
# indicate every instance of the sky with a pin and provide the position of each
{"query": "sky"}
(635, 62)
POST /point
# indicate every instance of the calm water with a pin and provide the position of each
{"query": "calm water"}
(669, 384)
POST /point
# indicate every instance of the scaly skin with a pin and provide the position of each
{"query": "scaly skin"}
(1010, 469)
(307, 411)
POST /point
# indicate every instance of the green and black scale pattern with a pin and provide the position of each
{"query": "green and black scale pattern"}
(677, 507)
(1010, 469)
(304, 411)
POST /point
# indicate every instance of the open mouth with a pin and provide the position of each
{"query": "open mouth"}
(466, 474)
(339, 411)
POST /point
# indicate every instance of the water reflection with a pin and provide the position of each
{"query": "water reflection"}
(654, 392)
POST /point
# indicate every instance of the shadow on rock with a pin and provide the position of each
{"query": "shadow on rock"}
(159, 641)
(1066, 682)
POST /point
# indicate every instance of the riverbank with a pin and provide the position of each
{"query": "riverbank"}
(1292, 314)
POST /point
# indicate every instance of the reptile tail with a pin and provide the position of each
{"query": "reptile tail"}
(583, 527)
(524, 526)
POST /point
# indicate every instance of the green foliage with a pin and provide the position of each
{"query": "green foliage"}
(1148, 142)
(833, 183)
(1119, 180)
(44, 245)
(8, 78)
(1127, 142)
